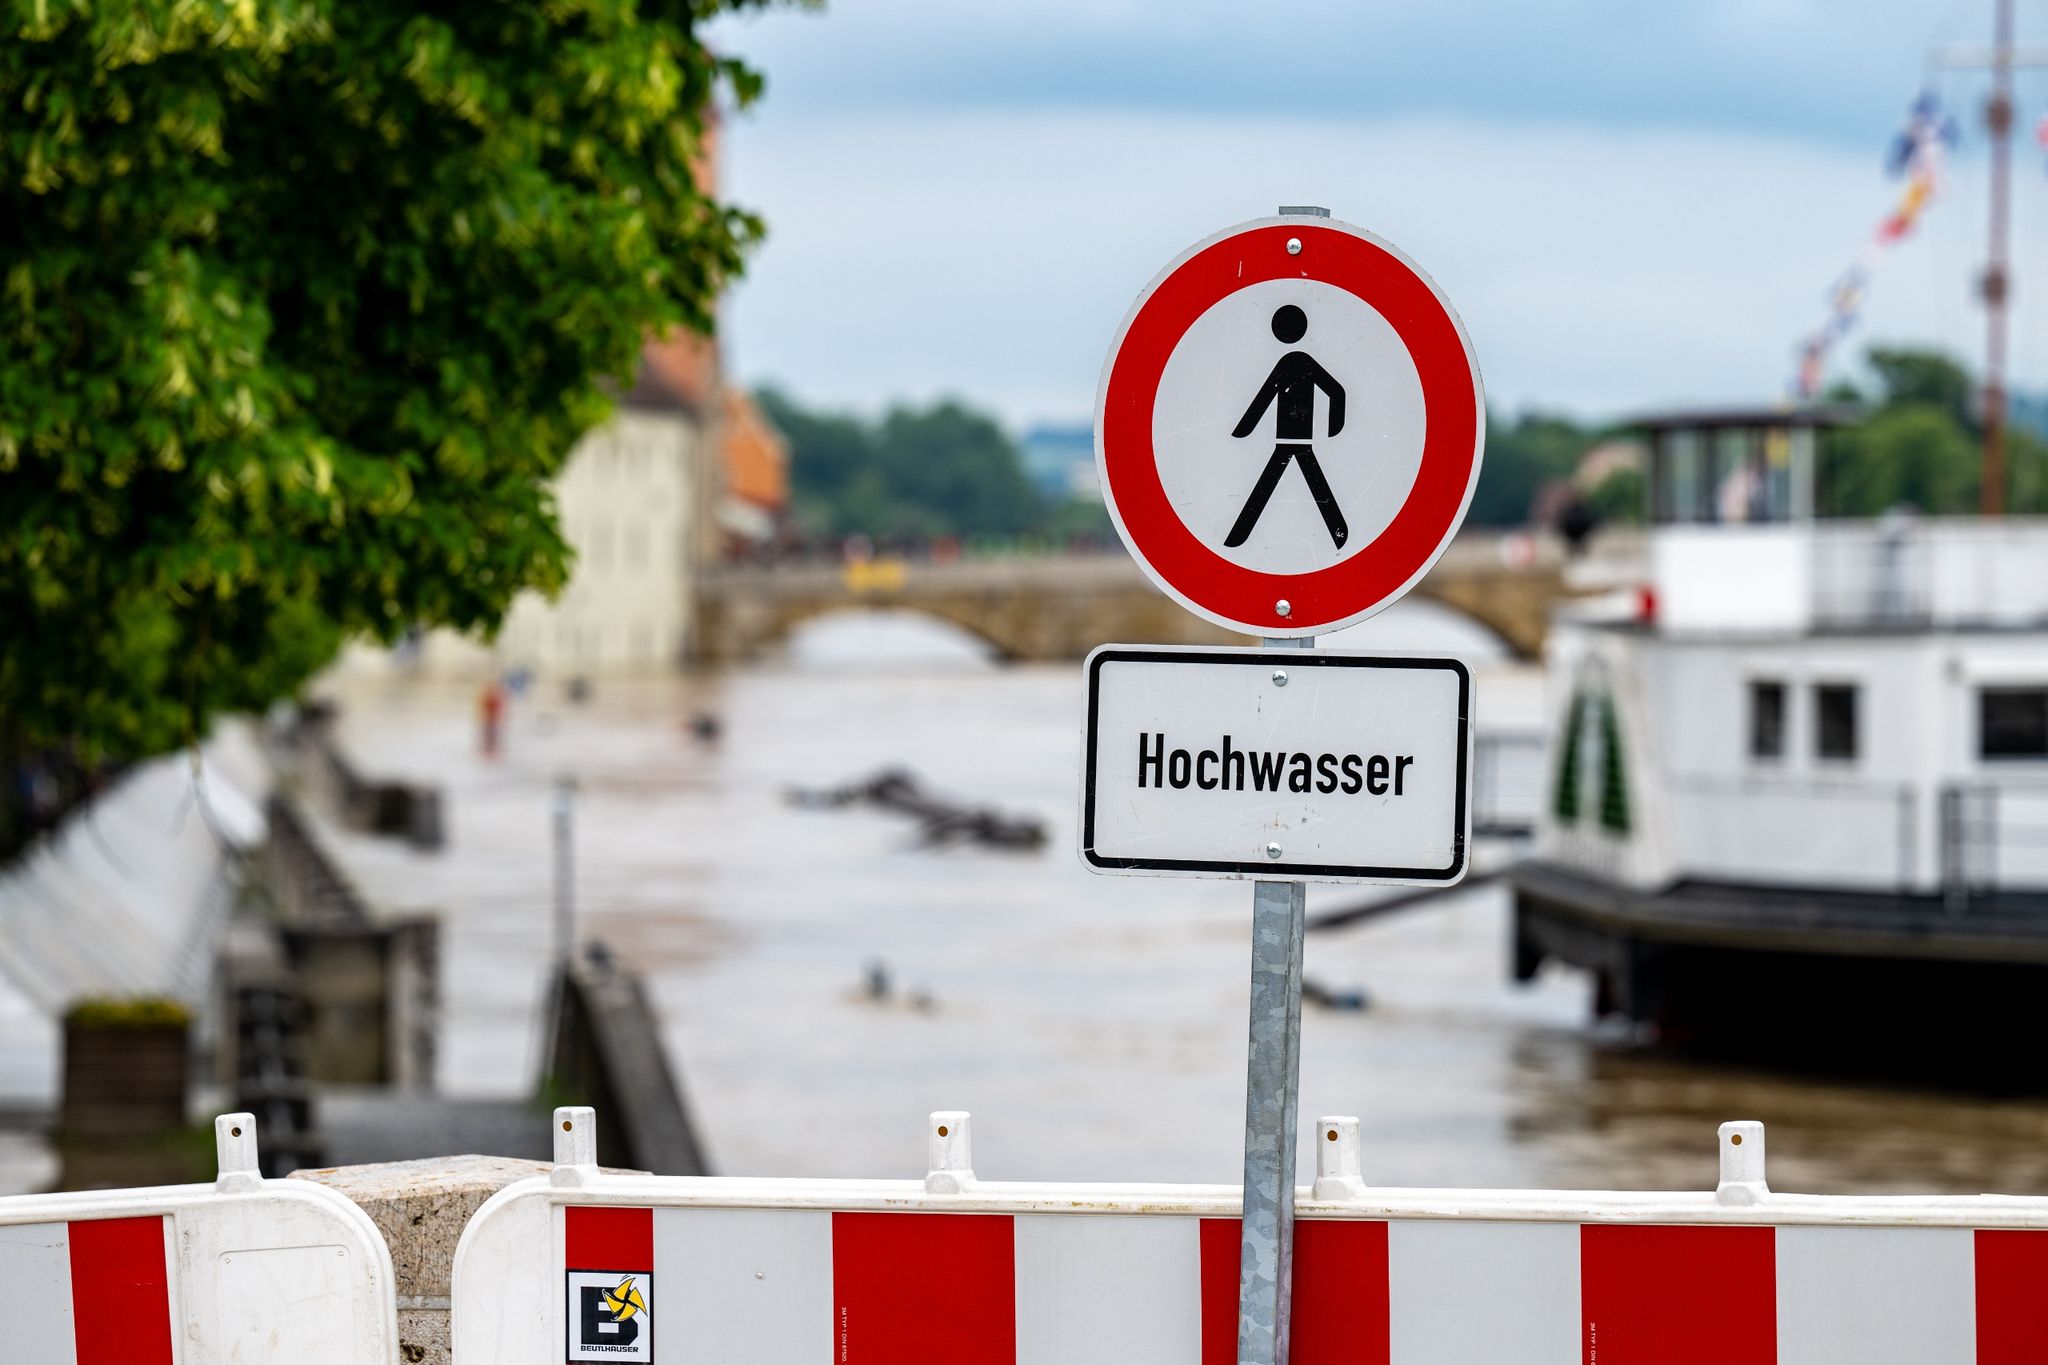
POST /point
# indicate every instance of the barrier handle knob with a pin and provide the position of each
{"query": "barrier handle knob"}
(949, 1149)
(1337, 1170)
(575, 1143)
(1742, 1164)
(234, 1146)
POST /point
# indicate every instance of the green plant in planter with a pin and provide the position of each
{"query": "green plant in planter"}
(134, 1012)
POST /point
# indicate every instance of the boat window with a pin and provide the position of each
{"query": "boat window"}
(1679, 487)
(1734, 476)
(2012, 722)
(1767, 720)
(1773, 500)
(1835, 720)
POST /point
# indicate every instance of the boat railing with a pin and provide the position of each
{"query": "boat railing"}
(1906, 572)
(1798, 829)
(1865, 575)
(1508, 773)
(1994, 840)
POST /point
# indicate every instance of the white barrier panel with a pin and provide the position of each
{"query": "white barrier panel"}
(245, 1271)
(583, 1266)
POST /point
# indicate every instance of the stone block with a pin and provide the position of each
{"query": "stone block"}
(420, 1207)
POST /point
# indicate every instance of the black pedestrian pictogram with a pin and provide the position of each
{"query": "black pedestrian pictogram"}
(1292, 384)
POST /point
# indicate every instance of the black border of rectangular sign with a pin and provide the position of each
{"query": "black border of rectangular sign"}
(1268, 658)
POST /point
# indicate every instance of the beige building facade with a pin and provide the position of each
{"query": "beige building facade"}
(631, 502)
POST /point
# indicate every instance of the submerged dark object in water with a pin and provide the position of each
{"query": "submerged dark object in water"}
(1352, 999)
(943, 820)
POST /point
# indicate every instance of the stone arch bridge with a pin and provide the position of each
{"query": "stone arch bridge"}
(1061, 606)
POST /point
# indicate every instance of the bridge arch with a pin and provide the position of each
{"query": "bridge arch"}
(878, 632)
(1055, 607)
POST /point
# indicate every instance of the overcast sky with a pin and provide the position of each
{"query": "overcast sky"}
(1629, 203)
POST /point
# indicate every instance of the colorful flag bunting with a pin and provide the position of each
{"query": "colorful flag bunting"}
(1919, 154)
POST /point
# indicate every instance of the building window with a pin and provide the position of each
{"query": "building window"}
(2012, 722)
(1767, 720)
(1835, 720)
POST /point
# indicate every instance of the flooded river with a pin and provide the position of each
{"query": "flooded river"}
(1095, 1026)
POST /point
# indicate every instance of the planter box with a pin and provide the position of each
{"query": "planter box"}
(123, 1080)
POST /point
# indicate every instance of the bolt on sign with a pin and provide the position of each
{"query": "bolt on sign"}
(245, 1271)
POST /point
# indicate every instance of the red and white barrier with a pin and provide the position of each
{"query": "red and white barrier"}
(245, 1271)
(592, 1267)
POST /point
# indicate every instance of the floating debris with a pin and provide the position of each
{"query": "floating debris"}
(1353, 1000)
(944, 820)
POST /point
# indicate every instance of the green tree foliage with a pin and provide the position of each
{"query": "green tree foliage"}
(918, 472)
(1922, 447)
(1911, 378)
(301, 304)
(1912, 454)
(1619, 498)
(1521, 458)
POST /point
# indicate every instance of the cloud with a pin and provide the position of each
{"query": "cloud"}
(1838, 70)
(991, 253)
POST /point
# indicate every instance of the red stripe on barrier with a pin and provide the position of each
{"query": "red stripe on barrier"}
(924, 1286)
(1340, 1294)
(1221, 1241)
(608, 1239)
(2012, 1297)
(120, 1292)
(1678, 1295)
(1340, 1314)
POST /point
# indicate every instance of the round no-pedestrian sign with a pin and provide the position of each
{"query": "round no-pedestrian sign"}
(1289, 426)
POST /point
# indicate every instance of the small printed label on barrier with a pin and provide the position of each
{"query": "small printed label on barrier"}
(609, 1315)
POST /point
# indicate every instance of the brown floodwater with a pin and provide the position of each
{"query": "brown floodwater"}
(1095, 1026)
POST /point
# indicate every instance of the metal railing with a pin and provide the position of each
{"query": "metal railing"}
(1878, 575)
(1903, 571)
(1993, 840)
(1822, 831)
(1509, 778)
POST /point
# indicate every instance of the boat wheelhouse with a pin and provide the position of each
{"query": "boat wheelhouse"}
(1807, 769)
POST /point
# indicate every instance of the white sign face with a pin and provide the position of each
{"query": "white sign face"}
(1276, 764)
(1354, 427)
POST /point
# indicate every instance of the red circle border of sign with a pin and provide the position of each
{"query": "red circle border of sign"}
(1454, 427)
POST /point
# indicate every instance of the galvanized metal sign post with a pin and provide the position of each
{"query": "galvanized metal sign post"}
(1339, 347)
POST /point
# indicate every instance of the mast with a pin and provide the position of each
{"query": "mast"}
(1998, 112)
